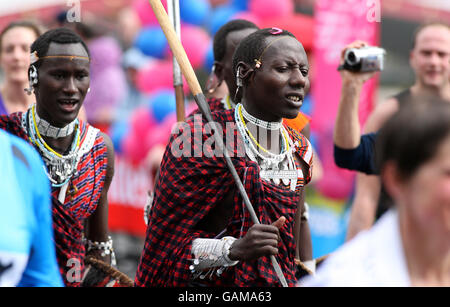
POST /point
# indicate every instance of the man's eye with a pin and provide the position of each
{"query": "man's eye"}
(282, 68)
(304, 72)
(26, 48)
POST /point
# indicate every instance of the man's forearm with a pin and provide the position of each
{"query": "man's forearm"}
(347, 127)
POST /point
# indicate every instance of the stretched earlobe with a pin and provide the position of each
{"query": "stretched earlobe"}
(213, 81)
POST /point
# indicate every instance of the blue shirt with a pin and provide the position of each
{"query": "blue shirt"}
(361, 158)
(2, 107)
(27, 251)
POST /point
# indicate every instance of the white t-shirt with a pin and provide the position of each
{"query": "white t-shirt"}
(374, 258)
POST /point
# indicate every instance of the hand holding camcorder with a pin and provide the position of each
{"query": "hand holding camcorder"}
(365, 59)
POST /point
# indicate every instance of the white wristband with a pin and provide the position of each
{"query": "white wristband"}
(210, 253)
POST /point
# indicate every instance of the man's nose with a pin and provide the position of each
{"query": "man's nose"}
(434, 59)
(70, 86)
(19, 54)
(297, 79)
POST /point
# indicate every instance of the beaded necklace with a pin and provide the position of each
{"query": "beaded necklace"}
(285, 145)
(60, 168)
(227, 103)
(261, 123)
(273, 167)
(46, 129)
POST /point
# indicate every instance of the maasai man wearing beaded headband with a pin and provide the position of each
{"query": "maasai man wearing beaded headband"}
(226, 40)
(79, 159)
(200, 232)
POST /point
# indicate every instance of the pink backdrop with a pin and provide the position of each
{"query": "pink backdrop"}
(337, 23)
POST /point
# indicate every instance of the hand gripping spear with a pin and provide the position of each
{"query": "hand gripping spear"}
(188, 72)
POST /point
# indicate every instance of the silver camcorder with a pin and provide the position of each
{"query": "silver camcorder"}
(364, 59)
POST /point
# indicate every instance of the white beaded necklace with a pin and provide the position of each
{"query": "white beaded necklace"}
(261, 123)
(273, 167)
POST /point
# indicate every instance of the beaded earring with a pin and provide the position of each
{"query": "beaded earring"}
(238, 79)
(33, 79)
(239, 84)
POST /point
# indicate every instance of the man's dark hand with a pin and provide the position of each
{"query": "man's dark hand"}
(260, 240)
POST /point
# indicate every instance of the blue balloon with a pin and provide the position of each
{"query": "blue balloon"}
(241, 5)
(220, 16)
(162, 104)
(152, 42)
(194, 11)
(307, 105)
(209, 61)
(119, 131)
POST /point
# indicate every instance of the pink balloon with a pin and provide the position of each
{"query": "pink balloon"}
(271, 8)
(145, 12)
(195, 41)
(248, 16)
(156, 76)
(142, 122)
(159, 136)
(133, 149)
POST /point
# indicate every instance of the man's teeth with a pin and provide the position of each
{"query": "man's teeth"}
(294, 98)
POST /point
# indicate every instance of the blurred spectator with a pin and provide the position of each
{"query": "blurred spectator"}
(409, 245)
(108, 82)
(15, 41)
(133, 60)
(430, 60)
(128, 25)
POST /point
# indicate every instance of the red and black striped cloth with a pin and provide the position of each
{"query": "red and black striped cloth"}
(188, 188)
(80, 203)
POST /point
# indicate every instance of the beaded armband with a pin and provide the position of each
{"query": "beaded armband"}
(148, 206)
(106, 248)
(211, 256)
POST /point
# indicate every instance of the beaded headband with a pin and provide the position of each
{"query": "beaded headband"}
(34, 57)
(273, 31)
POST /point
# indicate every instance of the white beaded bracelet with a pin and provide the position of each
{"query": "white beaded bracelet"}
(211, 255)
(105, 247)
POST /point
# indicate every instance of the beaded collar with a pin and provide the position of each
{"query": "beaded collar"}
(261, 123)
(278, 168)
(46, 129)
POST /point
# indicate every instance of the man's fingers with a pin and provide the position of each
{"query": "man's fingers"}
(356, 44)
(279, 223)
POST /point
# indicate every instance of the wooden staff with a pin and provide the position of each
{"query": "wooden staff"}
(194, 86)
(173, 6)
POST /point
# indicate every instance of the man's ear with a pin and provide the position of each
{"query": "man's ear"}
(244, 71)
(219, 72)
(392, 180)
